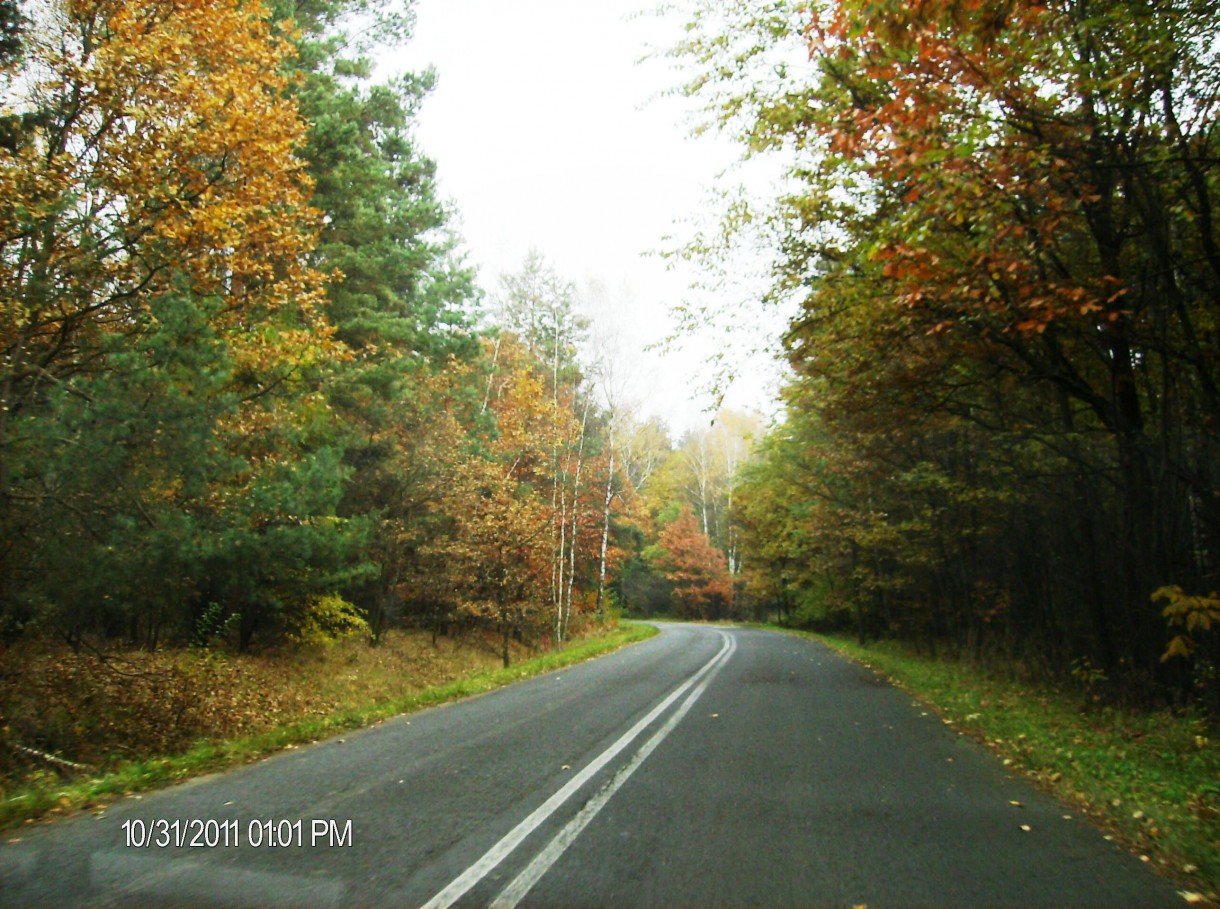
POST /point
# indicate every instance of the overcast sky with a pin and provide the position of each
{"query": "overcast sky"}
(549, 134)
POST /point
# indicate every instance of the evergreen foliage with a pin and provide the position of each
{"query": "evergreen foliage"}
(243, 392)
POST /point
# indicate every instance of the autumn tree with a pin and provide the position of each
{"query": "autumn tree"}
(612, 475)
(160, 323)
(488, 560)
(794, 520)
(700, 473)
(698, 571)
(537, 307)
(1001, 227)
(643, 448)
(645, 445)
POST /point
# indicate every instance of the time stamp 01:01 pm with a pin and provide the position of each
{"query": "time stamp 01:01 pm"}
(195, 833)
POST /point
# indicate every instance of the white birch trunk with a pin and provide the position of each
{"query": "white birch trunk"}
(580, 460)
(601, 568)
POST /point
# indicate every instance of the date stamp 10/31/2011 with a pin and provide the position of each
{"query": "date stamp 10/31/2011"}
(196, 833)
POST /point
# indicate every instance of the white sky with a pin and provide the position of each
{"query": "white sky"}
(548, 134)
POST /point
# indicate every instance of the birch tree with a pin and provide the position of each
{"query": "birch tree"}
(538, 307)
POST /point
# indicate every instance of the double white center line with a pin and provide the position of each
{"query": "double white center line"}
(547, 856)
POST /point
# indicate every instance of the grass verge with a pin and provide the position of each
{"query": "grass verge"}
(1151, 780)
(55, 796)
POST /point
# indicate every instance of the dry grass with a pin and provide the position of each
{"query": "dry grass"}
(100, 709)
(77, 731)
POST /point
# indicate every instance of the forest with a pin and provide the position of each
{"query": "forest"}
(252, 395)
(999, 228)
(251, 392)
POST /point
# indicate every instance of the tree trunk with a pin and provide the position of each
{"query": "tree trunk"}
(601, 568)
(580, 460)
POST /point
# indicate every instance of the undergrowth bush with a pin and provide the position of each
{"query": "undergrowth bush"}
(326, 619)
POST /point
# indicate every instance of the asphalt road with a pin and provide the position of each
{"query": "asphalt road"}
(705, 767)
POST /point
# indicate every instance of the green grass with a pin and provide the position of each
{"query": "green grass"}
(1150, 779)
(47, 794)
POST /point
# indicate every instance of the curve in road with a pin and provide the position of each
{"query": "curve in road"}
(705, 767)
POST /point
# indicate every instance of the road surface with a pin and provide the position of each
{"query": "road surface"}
(705, 767)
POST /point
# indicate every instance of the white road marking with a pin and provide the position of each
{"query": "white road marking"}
(511, 895)
(497, 853)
